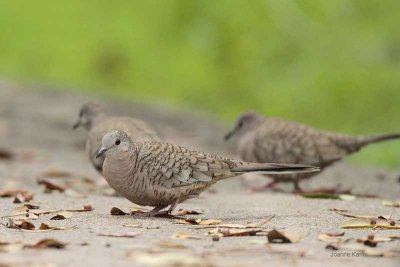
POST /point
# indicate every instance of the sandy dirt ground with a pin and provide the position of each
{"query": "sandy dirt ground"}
(35, 126)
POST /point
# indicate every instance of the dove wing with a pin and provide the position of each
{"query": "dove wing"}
(171, 166)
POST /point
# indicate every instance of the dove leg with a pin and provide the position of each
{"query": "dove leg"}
(155, 211)
(173, 206)
(296, 184)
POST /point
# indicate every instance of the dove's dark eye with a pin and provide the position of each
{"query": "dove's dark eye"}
(117, 142)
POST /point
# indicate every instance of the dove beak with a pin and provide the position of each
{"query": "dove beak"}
(101, 152)
(77, 124)
(230, 134)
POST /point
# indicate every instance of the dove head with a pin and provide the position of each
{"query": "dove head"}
(114, 141)
(87, 114)
(245, 122)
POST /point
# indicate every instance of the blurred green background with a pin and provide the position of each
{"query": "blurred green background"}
(334, 64)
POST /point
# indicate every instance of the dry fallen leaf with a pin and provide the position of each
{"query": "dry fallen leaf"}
(6, 154)
(229, 232)
(188, 221)
(369, 223)
(22, 213)
(50, 186)
(276, 236)
(184, 235)
(44, 243)
(168, 259)
(20, 195)
(127, 234)
(117, 211)
(62, 215)
(23, 224)
(47, 243)
(44, 226)
(182, 212)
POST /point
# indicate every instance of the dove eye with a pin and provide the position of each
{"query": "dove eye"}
(117, 142)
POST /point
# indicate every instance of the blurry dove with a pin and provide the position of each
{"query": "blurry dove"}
(161, 174)
(274, 140)
(97, 123)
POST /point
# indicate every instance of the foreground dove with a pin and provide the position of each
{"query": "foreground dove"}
(274, 140)
(161, 174)
(98, 123)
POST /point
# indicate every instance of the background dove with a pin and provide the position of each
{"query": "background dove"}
(98, 123)
(281, 141)
(161, 174)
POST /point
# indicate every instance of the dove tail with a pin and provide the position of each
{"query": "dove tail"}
(273, 168)
(379, 138)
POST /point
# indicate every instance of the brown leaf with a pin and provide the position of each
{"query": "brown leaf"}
(127, 234)
(239, 232)
(44, 226)
(6, 154)
(188, 221)
(22, 195)
(51, 186)
(182, 212)
(20, 225)
(47, 243)
(20, 198)
(32, 206)
(229, 232)
(276, 236)
(117, 212)
(62, 215)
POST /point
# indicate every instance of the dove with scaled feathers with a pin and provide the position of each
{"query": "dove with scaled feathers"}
(161, 174)
(93, 118)
(263, 139)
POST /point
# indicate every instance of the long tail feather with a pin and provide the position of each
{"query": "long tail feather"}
(274, 168)
(379, 138)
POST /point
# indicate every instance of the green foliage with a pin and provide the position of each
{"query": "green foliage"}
(331, 63)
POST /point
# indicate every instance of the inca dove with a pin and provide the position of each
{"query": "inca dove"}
(98, 123)
(275, 140)
(161, 174)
